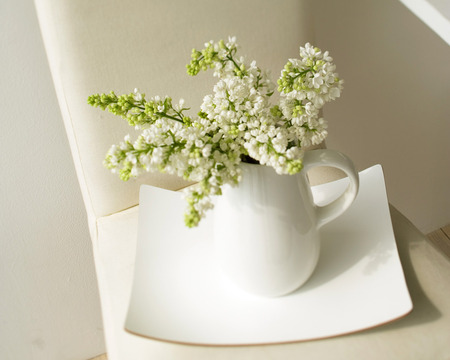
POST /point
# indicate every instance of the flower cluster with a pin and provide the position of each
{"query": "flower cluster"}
(237, 122)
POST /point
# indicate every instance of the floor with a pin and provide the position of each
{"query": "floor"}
(440, 238)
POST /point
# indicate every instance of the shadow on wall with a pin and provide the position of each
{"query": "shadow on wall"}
(394, 109)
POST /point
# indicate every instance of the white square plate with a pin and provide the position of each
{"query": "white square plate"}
(179, 294)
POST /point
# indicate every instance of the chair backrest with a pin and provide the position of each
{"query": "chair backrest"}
(93, 48)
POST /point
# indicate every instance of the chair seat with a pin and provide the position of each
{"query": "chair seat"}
(422, 334)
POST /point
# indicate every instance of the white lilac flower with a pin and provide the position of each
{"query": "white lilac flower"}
(236, 121)
(137, 95)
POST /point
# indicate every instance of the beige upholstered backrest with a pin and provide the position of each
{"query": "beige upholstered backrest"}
(92, 49)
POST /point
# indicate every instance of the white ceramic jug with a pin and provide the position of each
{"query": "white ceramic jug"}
(266, 229)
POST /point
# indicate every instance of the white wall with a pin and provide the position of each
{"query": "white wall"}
(394, 109)
(49, 306)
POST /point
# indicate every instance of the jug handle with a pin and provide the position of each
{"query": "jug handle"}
(328, 157)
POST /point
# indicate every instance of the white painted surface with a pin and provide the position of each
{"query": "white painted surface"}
(394, 107)
(434, 13)
(49, 306)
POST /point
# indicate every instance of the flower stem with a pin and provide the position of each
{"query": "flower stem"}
(168, 116)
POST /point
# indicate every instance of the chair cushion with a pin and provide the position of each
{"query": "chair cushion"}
(423, 334)
(103, 45)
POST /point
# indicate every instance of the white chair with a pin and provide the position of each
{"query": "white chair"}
(97, 46)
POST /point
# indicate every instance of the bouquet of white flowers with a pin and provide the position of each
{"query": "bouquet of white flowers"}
(237, 123)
